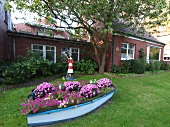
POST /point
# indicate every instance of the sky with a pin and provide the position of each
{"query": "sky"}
(19, 15)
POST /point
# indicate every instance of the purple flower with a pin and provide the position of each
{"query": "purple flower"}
(88, 90)
(72, 86)
(43, 89)
(104, 82)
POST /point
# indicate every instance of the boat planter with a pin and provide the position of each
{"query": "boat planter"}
(64, 114)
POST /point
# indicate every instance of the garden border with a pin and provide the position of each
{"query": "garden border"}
(31, 83)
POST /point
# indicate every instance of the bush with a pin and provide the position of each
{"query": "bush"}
(28, 68)
(165, 66)
(86, 66)
(118, 70)
(137, 67)
(155, 66)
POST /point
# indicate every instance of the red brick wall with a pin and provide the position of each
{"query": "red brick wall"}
(23, 44)
(117, 40)
(22, 27)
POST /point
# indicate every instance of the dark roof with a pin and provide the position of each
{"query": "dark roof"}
(134, 32)
(60, 40)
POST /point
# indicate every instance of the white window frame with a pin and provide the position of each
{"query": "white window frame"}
(44, 50)
(70, 51)
(127, 51)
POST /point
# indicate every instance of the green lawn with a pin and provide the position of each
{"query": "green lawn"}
(139, 102)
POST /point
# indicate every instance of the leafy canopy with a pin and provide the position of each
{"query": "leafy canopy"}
(94, 15)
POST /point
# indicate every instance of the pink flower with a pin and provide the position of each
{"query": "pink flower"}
(24, 111)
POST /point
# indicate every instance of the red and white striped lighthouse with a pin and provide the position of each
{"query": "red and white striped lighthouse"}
(70, 67)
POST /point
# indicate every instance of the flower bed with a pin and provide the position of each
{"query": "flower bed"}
(46, 96)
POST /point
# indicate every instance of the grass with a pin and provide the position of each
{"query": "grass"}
(139, 102)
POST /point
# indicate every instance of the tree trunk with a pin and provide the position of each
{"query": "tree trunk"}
(102, 63)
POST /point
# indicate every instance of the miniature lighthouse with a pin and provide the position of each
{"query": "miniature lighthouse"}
(70, 62)
(70, 67)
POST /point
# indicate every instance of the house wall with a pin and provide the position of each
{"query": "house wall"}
(114, 54)
(23, 44)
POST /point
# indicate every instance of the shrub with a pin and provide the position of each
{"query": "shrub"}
(157, 65)
(137, 67)
(165, 66)
(27, 68)
(117, 70)
(86, 66)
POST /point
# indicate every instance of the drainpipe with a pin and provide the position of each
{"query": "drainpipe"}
(113, 50)
(14, 50)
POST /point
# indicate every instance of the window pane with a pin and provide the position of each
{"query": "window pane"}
(123, 55)
(40, 47)
(52, 48)
(75, 56)
(131, 46)
(50, 55)
(124, 46)
(124, 51)
(74, 50)
(47, 47)
(38, 53)
(154, 53)
(63, 57)
(34, 46)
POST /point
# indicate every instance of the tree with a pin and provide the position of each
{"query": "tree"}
(99, 18)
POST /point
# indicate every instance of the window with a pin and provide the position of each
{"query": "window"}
(44, 32)
(127, 51)
(46, 51)
(154, 53)
(74, 52)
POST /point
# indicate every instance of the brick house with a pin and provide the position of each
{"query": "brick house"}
(126, 47)
(51, 42)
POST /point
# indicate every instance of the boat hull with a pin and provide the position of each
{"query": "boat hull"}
(64, 114)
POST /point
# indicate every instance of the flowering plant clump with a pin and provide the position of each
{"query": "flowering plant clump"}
(58, 100)
(89, 90)
(72, 86)
(43, 89)
(104, 82)
(46, 96)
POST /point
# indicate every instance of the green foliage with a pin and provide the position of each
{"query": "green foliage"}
(137, 67)
(156, 65)
(86, 66)
(142, 55)
(119, 69)
(165, 66)
(28, 68)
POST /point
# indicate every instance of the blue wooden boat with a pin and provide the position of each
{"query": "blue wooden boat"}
(69, 113)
